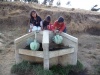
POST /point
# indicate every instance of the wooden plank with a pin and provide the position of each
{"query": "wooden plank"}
(45, 45)
(45, 37)
(31, 53)
(74, 39)
(24, 37)
(51, 53)
(61, 52)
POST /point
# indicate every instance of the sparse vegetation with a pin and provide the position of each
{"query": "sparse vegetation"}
(97, 68)
(21, 68)
(0, 51)
(27, 68)
(93, 31)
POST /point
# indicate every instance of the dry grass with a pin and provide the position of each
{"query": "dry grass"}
(77, 20)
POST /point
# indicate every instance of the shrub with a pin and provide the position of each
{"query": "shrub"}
(21, 68)
(37, 69)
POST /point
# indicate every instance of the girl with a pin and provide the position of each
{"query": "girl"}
(35, 21)
(46, 22)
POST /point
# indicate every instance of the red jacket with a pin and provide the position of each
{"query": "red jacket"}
(61, 27)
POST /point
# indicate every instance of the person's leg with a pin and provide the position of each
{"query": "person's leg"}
(65, 30)
(31, 27)
(35, 28)
(38, 28)
(44, 28)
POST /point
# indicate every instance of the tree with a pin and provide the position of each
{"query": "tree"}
(35, 1)
(32, 1)
(3, 0)
(68, 3)
(49, 1)
(45, 2)
(58, 3)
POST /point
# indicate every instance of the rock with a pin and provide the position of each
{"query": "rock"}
(2, 36)
(1, 40)
(1, 45)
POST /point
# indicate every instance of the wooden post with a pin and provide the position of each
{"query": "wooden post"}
(17, 55)
(71, 41)
(45, 43)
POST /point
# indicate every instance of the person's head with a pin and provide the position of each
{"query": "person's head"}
(48, 18)
(33, 14)
(60, 20)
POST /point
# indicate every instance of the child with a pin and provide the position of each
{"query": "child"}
(35, 22)
(46, 22)
(59, 25)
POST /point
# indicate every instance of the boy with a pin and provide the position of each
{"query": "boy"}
(59, 25)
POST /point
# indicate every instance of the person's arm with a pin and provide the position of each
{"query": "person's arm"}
(44, 24)
(40, 21)
(41, 24)
(54, 25)
(31, 25)
(62, 28)
(31, 21)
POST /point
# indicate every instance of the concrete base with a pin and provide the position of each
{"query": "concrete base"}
(49, 58)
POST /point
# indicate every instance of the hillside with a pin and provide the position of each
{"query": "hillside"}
(17, 14)
(85, 25)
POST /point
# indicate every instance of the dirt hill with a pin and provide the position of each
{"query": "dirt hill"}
(14, 21)
(16, 14)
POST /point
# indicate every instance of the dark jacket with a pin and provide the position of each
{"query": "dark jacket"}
(45, 24)
(36, 22)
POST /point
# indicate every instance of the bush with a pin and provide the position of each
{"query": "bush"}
(65, 70)
(21, 68)
(45, 72)
(36, 69)
(97, 68)
(59, 70)
(76, 68)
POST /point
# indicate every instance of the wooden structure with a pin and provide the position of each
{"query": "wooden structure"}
(49, 58)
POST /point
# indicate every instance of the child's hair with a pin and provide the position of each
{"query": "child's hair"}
(48, 18)
(60, 19)
(33, 12)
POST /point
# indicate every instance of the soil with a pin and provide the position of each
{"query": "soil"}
(78, 73)
(85, 25)
(52, 47)
(93, 31)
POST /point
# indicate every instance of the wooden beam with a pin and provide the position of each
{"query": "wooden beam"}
(52, 54)
(45, 45)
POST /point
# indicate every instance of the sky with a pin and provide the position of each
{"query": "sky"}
(82, 4)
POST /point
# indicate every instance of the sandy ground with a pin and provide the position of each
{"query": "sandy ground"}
(88, 53)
